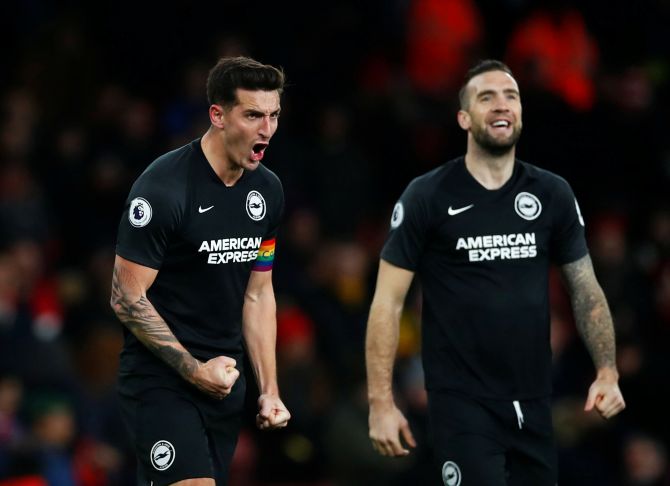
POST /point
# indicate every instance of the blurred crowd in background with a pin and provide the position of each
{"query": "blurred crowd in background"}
(91, 93)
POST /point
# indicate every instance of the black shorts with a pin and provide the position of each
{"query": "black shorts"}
(179, 432)
(492, 442)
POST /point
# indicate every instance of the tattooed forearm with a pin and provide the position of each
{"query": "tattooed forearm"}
(141, 318)
(592, 314)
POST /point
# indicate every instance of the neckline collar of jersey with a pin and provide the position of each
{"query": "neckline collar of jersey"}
(476, 185)
(197, 146)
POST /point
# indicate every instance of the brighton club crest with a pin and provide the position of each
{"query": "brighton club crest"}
(255, 205)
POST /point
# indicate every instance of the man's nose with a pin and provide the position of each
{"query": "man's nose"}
(266, 127)
(501, 104)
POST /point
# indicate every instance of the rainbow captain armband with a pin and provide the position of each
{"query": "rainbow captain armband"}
(266, 256)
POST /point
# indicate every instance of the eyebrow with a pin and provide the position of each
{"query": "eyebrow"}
(491, 91)
(253, 111)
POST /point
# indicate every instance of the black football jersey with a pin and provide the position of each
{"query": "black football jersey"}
(483, 258)
(205, 239)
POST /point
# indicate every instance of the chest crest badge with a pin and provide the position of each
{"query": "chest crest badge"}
(255, 205)
(527, 205)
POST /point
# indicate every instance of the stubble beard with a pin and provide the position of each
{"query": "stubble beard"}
(494, 146)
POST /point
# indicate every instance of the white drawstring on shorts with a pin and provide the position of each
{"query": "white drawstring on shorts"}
(519, 413)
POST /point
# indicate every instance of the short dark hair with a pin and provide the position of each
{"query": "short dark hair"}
(233, 73)
(479, 68)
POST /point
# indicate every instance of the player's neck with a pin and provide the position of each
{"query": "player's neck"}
(491, 171)
(216, 156)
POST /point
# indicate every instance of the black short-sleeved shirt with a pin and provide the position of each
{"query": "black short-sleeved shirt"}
(483, 257)
(204, 238)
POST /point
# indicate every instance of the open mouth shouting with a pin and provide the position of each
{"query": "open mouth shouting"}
(258, 150)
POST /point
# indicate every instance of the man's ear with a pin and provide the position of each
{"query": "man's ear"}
(216, 116)
(464, 120)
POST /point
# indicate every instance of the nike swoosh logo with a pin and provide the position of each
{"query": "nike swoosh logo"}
(454, 212)
(201, 210)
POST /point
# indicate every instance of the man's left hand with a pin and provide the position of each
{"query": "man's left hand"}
(272, 413)
(605, 395)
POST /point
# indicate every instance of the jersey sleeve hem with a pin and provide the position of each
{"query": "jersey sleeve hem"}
(398, 263)
(140, 260)
(572, 258)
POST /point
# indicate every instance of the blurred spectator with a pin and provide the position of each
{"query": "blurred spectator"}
(12, 429)
(23, 211)
(630, 91)
(339, 174)
(18, 124)
(53, 428)
(11, 396)
(61, 168)
(337, 302)
(553, 51)
(656, 246)
(35, 320)
(9, 291)
(645, 462)
(444, 37)
(662, 297)
(184, 118)
(110, 103)
(56, 448)
(138, 127)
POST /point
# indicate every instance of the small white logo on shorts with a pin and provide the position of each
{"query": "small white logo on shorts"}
(162, 455)
(398, 215)
(527, 206)
(255, 205)
(451, 474)
(139, 213)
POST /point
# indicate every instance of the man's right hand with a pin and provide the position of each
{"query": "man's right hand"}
(387, 424)
(216, 377)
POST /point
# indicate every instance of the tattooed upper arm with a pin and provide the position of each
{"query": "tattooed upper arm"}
(130, 283)
(129, 299)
